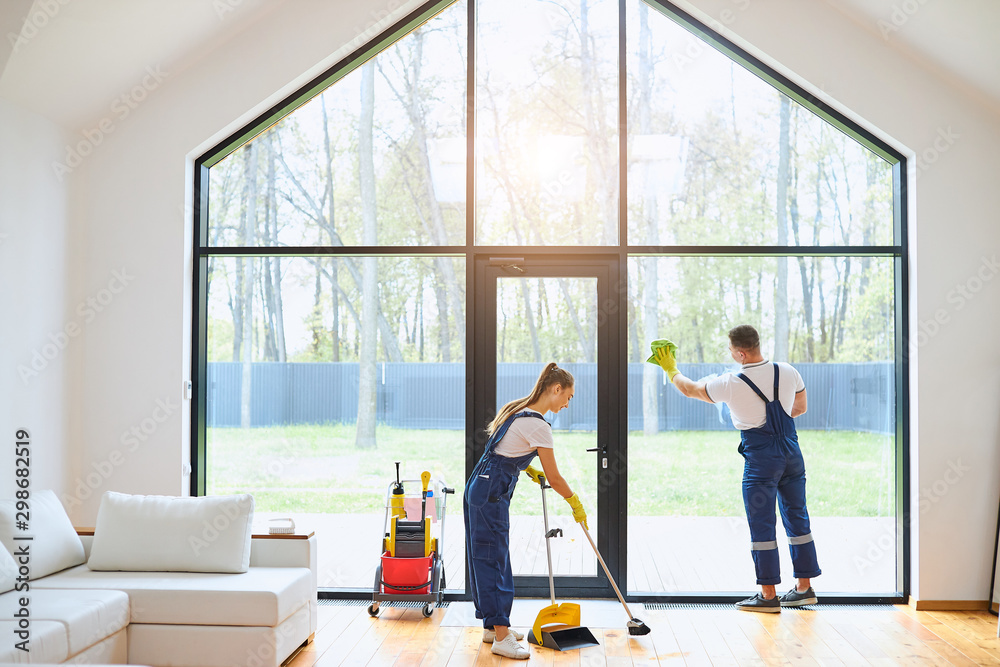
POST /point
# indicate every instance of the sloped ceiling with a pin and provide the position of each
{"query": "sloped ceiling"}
(75, 58)
(72, 59)
(957, 39)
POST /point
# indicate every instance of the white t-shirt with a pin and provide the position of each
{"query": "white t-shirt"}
(524, 436)
(745, 406)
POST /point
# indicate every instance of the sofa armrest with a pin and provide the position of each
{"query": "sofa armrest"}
(288, 551)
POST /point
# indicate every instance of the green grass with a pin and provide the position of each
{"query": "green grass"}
(314, 468)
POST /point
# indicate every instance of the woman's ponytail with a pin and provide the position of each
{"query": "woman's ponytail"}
(549, 376)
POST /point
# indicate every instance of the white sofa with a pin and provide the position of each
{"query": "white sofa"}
(253, 618)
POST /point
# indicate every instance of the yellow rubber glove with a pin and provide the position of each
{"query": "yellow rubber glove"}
(535, 474)
(664, 356)
(579, 515)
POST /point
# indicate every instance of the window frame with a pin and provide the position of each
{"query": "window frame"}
(471, 252)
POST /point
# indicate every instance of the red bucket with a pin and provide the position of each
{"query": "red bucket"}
(405, 573)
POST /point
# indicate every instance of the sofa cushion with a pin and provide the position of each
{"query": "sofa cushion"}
(263, 596)
(47, 643)
(8, 571)
(172, 533)
(89, 616)
(55, 544)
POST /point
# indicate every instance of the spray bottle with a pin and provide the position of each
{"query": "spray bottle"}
(396, 502)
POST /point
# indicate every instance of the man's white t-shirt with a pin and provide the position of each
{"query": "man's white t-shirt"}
(745, 406)
(524, 436)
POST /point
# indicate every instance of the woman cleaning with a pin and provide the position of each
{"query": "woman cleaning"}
(517, 434)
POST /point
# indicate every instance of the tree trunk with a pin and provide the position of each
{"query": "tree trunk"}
(250, 231)
(439, 234)
(807, 297)
(236, 308)
(316, 321)
(781, 284)
(441, 296)
(365, 436)
(586, 340)
(332, 224)
(871, 178)
(530, 318)
(651, 375)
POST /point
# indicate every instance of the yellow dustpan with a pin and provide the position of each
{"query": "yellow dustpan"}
(564, 631)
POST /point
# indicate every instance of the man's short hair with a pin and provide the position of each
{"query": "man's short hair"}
(744, 337)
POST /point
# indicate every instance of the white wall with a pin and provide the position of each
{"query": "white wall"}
(954, 236)
(128, 207)
(134, 203)
(39, 331)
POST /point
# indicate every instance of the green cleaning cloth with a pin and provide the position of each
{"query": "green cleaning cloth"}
(655, 347)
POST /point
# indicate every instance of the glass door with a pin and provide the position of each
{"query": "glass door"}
(533, 312)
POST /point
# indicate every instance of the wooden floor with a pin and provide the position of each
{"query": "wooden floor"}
(688, 636)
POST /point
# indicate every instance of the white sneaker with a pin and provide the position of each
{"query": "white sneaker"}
(509, 648)
(490, 635)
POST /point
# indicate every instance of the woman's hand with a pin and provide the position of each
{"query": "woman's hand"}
(579, 515)
(535, 474)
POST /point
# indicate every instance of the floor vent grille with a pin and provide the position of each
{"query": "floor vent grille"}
(658, 606)
(364, 603)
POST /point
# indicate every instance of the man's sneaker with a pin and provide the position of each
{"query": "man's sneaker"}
(490, 635)
(795, 599)
(759, 603)
(509, 648)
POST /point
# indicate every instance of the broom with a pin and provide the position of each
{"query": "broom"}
(634, 625)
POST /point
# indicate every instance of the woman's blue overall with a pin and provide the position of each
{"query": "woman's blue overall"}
(486, 504)
(774, 467)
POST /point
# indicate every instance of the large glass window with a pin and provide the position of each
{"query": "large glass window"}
(316, 386)
(683, 453)
(547, 123)
(378, 158)
(716, 156)
(336, 327)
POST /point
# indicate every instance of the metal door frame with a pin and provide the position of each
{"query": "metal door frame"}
(611, 415)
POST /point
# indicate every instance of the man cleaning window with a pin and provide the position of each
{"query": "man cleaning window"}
(763, 399)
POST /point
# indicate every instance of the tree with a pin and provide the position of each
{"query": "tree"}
(365, 435)
(781, 332)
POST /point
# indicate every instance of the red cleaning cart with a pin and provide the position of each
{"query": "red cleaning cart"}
(411, 567)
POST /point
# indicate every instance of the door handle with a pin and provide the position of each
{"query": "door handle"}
(603, 449)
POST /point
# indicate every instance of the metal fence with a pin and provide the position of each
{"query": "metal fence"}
(852, 397)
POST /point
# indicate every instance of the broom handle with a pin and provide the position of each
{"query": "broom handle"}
(548, 549)
(610, 578)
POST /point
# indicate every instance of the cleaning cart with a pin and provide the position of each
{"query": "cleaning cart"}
(412, 567)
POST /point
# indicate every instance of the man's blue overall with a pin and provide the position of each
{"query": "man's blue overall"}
(486, 504)
(774, 467)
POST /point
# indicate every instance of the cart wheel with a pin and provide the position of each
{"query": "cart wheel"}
(427, 611)
(373, 609)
